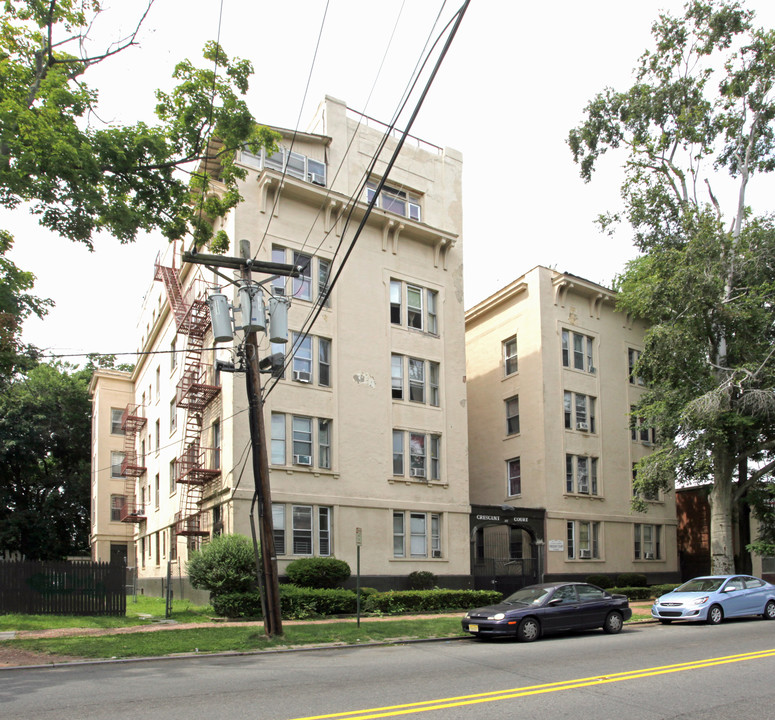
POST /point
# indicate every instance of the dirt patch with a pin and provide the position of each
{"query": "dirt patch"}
(14, 657)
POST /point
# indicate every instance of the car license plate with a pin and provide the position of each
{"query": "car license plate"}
(473, 628)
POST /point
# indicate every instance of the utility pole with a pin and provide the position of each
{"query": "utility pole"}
(273, 621)
(269, 583)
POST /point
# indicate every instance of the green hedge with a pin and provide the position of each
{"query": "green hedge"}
(631, 580)
(402, 601)
(657, 590)
(298, 603)
(303, 603)
(633, 593)
(602, 581)
(318, 572)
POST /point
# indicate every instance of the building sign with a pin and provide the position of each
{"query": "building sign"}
(556, 545)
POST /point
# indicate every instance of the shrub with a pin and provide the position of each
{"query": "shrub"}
(602, 581)
(238, 605)
(318, 572)
(395, 602)
(633, 593)
(631, 580)
(225, 565)
(422, 580)
(298, 603)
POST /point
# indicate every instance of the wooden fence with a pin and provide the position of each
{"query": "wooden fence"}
(60, 588)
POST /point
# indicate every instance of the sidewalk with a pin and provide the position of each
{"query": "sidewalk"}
(12, 657)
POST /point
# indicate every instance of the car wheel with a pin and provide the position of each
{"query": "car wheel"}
(715, 615)
(769, 610)
(528, 630)
(613, 623)
(665, 622)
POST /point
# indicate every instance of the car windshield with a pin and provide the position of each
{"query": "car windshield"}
(701, 585)
(528, 596)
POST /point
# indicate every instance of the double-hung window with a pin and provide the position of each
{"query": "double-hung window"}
(414, 306)
(513, 477)
(577, 351)
(423, 380)
(173, 414)
(583, 540)
(311, 527)
(512, 415)
(302, 357)
(424, 455)
(117, 502)
(510, 362)
(116, 461)
(416, 380)
(633, 356)
(295, 164)
(278, 439)
(397, 376)
(579, 412)
(639, 430)
(581, 474)
(302, 440)
(302, 285)
(421, 530)
(324, 444)
(116, 414)
(647, 542)
(324, 362)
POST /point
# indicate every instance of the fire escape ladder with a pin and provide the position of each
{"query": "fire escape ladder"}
(133, 465)
(196, 466)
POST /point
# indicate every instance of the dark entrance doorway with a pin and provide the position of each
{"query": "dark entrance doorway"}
(118, 554)
(506, 547)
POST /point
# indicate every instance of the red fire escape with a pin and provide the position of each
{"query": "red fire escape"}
(133, 464)
(197, 465)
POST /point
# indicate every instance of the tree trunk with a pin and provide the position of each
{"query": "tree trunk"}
(722, 553)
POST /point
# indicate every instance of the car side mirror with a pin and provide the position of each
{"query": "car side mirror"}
(729, 589)
(555, 601)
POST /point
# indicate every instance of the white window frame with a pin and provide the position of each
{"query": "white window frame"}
(397, 376)
(512, 415)
(513, 477)
(415, 314)
(278, 526)
(278, 439)
(301, 437)
(647, 549)
(324, 443)
(416, 375)
(572, 403)
(583, 539)
(398, 453)
(394, 200)
(116, 461)
(510, 356)
(116, 415)
(302, 285)
(578, 351)
(324, 362)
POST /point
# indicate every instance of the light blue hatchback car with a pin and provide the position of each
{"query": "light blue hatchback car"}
(712, 598)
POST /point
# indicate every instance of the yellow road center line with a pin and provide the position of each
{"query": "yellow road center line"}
(459, 701)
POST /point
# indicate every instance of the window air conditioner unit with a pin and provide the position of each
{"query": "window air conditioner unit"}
(648, 556)
(585, 554)
(302, 376)
(302, 459)
(437, 553)
(582, 426)
(418, 472)
(316, 178)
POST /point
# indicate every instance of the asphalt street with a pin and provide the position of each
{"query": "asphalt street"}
(648, 671)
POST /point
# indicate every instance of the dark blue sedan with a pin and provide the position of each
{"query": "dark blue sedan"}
(548, 608)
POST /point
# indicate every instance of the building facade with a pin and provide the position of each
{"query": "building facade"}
(365, 418)
(552, 446)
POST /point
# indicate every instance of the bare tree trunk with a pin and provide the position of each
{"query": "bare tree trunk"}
(722, 552)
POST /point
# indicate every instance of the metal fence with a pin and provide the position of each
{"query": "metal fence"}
(61, 588)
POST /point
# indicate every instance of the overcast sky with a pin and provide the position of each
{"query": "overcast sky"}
(516, 80)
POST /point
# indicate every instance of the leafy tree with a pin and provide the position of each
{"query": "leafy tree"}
(45, 426)
(80, 178)
(223, 566)
(698, 128)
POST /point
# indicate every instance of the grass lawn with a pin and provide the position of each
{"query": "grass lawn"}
(238, 638)
(182, 611)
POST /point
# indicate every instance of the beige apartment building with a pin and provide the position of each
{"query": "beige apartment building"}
(366, 427)
(551, 443)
